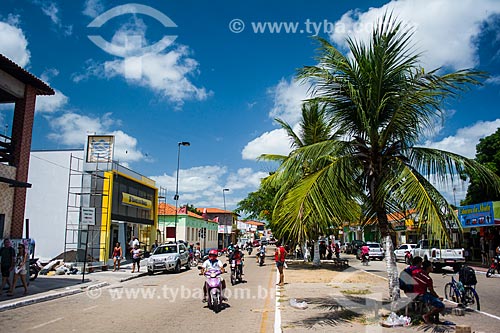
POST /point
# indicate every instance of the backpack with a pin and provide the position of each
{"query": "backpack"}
(467, 276)
(406, 281)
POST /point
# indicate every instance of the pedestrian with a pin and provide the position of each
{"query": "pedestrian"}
(136, 257)
(484, 257)
(117, 256)
(337, 250)
(20, 269)
(154, 246)
(279, 257)
(8, 262)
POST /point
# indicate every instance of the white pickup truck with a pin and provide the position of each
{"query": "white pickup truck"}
(440, 257)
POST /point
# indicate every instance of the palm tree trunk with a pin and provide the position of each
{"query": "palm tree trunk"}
(392, 271)
(317, 259)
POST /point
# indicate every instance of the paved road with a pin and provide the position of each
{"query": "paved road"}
(163, 302)
(487, 288)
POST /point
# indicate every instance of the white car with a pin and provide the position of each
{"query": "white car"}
(400, 252)
(169, 257)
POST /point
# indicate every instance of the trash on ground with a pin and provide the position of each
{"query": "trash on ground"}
(395, 320)
(299, 305)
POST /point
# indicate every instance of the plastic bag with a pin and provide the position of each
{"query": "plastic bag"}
(393, 320)
(299, 305)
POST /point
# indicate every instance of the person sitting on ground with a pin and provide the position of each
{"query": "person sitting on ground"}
(425, 288)
(213, 262)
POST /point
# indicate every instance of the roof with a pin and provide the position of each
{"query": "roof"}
(257, 223)
(24, 76)
(215, 211)
(166, 209)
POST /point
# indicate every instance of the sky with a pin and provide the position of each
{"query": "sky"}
(217, 74)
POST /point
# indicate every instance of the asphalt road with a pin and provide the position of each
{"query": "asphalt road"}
(487, 288)
(163, 302)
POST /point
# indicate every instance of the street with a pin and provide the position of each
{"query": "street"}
(163, 302)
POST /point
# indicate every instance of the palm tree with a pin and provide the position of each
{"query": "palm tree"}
(382, 101)
(316, 128)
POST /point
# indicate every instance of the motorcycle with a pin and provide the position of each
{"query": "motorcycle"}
(495, 265)
(236, 271)
(249, 249)
(214, 288)
(35, 268)
(262, 257)
(365, 259)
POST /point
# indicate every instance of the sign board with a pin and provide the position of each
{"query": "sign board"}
(100, 148)
(88, 216)
(479, 215)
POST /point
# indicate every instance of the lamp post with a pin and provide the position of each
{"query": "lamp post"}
(225, 227)
(176, 196)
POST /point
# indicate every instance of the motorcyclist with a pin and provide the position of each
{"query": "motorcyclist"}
(262, 252)
(213, 262)
(237, 255)
(365, 251)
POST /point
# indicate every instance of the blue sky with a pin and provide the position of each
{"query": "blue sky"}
(219, 86)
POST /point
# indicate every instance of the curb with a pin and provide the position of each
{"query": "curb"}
(44, 298)
(133, 277)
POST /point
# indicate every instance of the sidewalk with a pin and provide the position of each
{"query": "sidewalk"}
(353, 300)
(45, 287)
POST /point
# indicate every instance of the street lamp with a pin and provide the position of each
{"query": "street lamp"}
(225, 227)
(176, 196)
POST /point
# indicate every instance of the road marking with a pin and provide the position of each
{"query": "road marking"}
(46, 323)
(263, 322)
(481, 312)
(277, 311)
(90, 308)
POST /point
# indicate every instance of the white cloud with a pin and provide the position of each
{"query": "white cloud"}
(13, 42)
(273, 142)
(288, 98)
(465, 140)
(167, 73)
(71, 129)
(201, 186)
(434, 23)
(51, 10)
(493, 80)
(92, 8)
(48, 104)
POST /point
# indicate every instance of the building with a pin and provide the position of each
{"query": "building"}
(21, 88)
(190, 227)
(226, 220)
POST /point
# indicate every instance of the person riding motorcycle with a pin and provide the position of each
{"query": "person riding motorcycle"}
(365, 252)
(213, 262)
(262, 251)
(237, 255)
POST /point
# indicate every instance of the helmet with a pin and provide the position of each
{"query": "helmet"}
(236, 247)
(212, 253)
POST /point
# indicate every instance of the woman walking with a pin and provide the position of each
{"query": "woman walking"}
(136, 257)
(20, 269)
(117, 256)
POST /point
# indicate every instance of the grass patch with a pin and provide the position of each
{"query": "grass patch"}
(356, 291)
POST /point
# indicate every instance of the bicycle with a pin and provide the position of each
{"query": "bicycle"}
(466, 295)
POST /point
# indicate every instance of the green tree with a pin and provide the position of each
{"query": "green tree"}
(382, 101)
(488, 154)
(315, 128)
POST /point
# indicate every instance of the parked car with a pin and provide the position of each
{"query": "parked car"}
(376, 251)
(168, 257)
(401, 251)
(354, 246)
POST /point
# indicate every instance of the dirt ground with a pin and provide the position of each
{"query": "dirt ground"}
(299, 272)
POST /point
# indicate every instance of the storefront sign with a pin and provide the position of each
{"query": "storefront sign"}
(479, 215)
(132, 200)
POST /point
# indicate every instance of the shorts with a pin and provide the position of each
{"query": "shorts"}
(279, 264)
(137, 260)
(5, 271)
(432, 300)
(117, 257)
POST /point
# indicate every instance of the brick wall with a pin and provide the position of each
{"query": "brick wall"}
(24, 113)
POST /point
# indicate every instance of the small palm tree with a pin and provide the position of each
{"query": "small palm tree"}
(382, 102)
